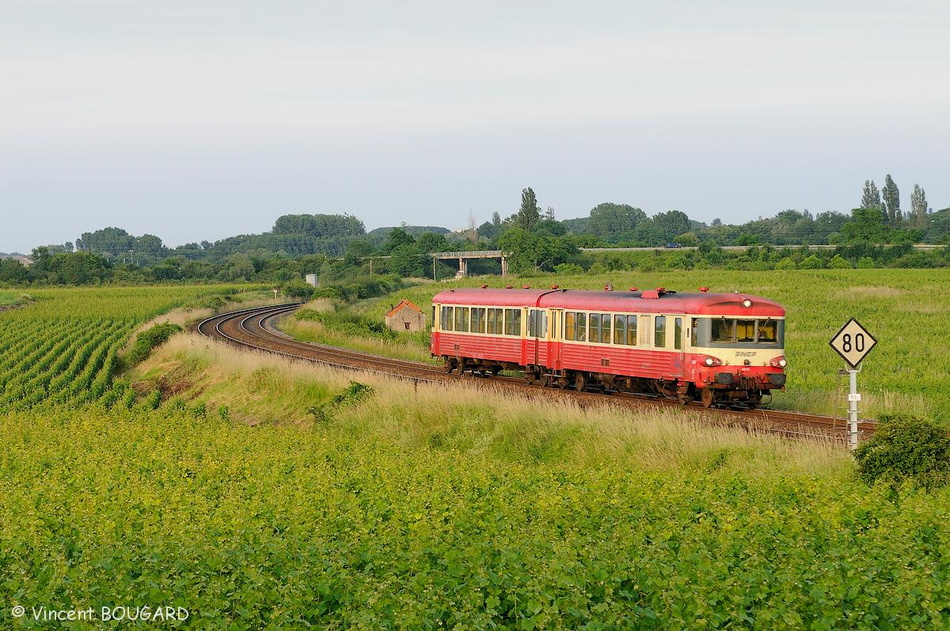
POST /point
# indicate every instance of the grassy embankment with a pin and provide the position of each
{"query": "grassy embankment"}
(906, 310)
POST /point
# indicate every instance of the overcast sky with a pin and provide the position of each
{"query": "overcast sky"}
(203, 119)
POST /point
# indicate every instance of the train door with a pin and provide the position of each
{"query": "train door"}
(554, 339)
(538, 336)
(679, 346)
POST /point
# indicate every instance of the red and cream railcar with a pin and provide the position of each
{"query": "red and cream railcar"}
(716, 348)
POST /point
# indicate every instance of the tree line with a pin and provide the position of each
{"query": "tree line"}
(338, 249)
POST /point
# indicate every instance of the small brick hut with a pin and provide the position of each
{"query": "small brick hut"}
(406, 317)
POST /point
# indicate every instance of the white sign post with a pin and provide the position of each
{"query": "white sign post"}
(853, 343)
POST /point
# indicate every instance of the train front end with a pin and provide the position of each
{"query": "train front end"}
(738, 349)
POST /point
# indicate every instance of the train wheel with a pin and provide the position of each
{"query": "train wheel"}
(545, 380)
(708, 397)
(580, 381)
(755, 399)
(449, 365)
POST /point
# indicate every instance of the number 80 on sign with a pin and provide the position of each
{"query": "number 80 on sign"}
(853, 342)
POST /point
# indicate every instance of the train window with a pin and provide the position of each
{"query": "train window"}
(494, 322)
(581, 327)
(605, 328)
(659, 330)
(461, 319)
(570, 322)
(513, 322)
(595, 327)
(537, 323)
(745, 330)
(620, 329)
(447, 319)
(478, 319)
(678, 333)
(723, 330)
(631, 330)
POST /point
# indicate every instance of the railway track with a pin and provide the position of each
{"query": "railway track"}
(255, 329)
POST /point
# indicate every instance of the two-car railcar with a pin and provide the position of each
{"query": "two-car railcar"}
(714, 348)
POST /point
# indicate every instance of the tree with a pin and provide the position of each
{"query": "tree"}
(529, 214)
(671, 223)
(892, 201)
(918, 207)
(114, 241)
(614, 222)
(529, 251)
(397, 238)
(867, 225)
(871, 197)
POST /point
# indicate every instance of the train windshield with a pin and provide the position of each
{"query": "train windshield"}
(740, 333)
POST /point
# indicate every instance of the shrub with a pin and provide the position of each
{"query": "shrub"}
(812, 262)
(149, 339)
(907, 448)
(298, 289)
(568, 269)
(839, 262)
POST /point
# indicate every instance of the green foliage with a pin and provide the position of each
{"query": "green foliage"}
(568, 269)
(286, 528)
(150, 339)
(905, 447)
(349, 323)
(811, 262)
(839, 262)
(299, 289)
(786, 263)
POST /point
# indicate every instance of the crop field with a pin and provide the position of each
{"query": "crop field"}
(906, 310)
(256, 493)
(8, 298)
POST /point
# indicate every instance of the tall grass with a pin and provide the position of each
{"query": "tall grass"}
(468, 420)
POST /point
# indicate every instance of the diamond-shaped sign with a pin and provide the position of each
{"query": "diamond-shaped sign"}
(853, 342)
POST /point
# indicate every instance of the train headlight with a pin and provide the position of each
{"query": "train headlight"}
(711, 361)
(778, 362)
(746, 303)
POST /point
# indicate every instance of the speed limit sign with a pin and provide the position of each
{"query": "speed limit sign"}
(853, 342)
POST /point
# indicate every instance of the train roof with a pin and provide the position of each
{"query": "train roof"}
(646, 301)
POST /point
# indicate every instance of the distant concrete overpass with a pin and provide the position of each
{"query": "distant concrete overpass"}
(465, 256)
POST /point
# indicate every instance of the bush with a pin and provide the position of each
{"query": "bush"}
(812, 262)
(839, 262)
(905, 448)
(298, 289)
(568, 269)
(149, 339)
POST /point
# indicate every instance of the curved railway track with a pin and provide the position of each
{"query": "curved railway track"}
(255, 329)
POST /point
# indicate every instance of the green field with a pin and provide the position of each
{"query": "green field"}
(231, 484)
(8, 298)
